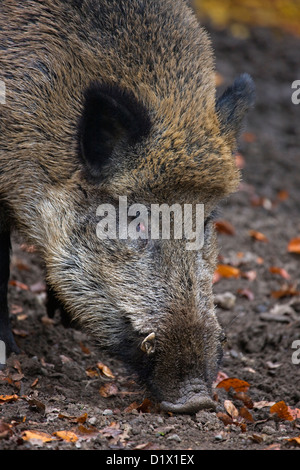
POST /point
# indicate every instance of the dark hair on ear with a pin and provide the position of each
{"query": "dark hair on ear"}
(111, 116)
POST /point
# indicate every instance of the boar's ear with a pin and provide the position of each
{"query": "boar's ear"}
(233, 105)
(112, 119)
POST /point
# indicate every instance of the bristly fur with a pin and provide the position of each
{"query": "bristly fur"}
(109, 98)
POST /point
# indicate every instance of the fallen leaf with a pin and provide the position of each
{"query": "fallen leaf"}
(294, 245)
(231, 409)
(244, 398)
(281, 271)
(68, 436)
(74, 419)
(19, 332)
(84, 348)
(245, 414)
(285, 291)
(28, 248)
(5, 430)
(222, 226)
(258, 236)
(246, 293)
(105, 370)
(294, 412)
(18, 284)
(225, 418)
(282, 195)
(250, 275)
(16, 309)
(232, 382)
(37, 436)
(145, 406)
(225, 270)
(108, 390)
(263, 404)
(90, 372)
(38, 287)
(282, 410)
(240, 161)
(249, 137)
(8, 398)
(293, 441)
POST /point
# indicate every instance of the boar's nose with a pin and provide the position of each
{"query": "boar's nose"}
(191, 406)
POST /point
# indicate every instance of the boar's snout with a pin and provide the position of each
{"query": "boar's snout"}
(192, 399)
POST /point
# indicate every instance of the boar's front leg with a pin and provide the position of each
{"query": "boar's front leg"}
(5, 329)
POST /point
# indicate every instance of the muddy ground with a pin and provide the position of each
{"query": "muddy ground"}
(56, 379)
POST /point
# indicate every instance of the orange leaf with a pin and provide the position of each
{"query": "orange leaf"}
(8, 398)
(18, 284)
(68, 436)
(37, 435)
(105, 370)
(225, 270)
(282, 195)
(145, 406)
(294, 245)
(222, 226)
(276, 270)
(258, 236)
(282, 411)
(237, 384)
(294, 441)
(286, 291)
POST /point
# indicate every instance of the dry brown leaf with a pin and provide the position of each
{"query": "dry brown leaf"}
(84, 349)
(286, 291)
(108, 390)
(245, 414)
(68, 436)
(37, 435)
(225, 270)
(226, 419)
(258, 236)
(294, 412)
(246, 293)
(74, 419)
(232, 382)
(294, 245)
(8, 398)
(105, 370)
(18, 284)
(293, 441)
(283, 195)
(145, 406)
(281, 271)
(282, 411)
(244, 398)
(231, 409)
(222, 226)
(5, 430)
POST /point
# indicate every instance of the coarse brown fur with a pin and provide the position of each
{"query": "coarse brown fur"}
(172, 143)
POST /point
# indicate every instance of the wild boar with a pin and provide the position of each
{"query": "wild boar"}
(109, 100)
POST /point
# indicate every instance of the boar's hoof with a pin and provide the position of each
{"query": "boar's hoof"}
(191, 406)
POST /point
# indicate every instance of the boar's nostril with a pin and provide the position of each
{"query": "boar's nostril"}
(194, 404)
